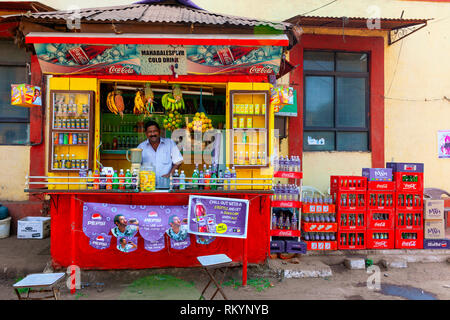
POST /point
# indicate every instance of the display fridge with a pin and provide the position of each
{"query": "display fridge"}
(71, 131)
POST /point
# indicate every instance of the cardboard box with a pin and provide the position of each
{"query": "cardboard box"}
(377, 174)
(33, 228)
(434, 209)
(405, 167)
(434, 229)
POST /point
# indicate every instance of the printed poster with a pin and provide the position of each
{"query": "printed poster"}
(218, 217)
(444, 143)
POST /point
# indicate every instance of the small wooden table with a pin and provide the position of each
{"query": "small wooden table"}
(45, 282)
(214, 262)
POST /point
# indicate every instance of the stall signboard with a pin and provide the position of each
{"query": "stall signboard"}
(25, 95)
(137, 59)
(115, 225)
(218, 217)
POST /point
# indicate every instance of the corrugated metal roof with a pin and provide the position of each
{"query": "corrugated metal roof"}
(352, 22)
(156, 13)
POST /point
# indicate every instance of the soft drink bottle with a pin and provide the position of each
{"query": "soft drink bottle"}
(207, 177)
(102, 180)
(89, 184)
(274, 221)
(128, 179)
(227, 177)
(233, 178)
(182, 180)
(96, 180)
(109, 182)
(176, 181)
(121, 180)
(213, 181)
(134, 184)
(200, 216)
(202, 182)
(220, 181)
(294, 222)
(115, 185)
(195, 177)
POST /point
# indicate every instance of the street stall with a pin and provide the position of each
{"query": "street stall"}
(210, 94)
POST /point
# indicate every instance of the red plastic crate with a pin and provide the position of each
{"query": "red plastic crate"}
(351, 240)
(381, 186)
(408, 201)
(348, 183)
(409, 186)
(352, 220)
(380, 239)
(409, 220)
(380, 219)
(321, 245)
(352, 201)
(408, 239)
(318, 208)
(380, 200)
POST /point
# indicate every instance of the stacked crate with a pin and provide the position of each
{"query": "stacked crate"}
(319, 226)
(380, 208)
(408, 179)
(349, 194)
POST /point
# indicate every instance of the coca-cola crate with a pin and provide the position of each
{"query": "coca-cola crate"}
(348, 183)
(409, 181)
(352, 220)
(277, 246)
(380, 200)
(319, 217)
(408, 201)
(408, 239)
(295, 246)
(321, 245)
(350, 201)
(317, 207)
(380, 239)
(409, 220)
(319, 227)
(380, 219)
(351, 240)
(381, 186)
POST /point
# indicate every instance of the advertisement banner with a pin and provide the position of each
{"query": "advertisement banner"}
(219, 217)
(134, 59)
(444, 143)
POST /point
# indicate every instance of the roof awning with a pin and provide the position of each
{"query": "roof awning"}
(162, 39)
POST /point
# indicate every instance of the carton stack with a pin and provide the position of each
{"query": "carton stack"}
(434, 228)
(380, 232)
(349, 194)
(408, 179)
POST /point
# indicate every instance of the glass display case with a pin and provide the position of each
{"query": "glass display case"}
(249, 125)
(71, 130)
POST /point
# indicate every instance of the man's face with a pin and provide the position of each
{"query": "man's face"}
(176, 221)
(153, 134)
(122, 221)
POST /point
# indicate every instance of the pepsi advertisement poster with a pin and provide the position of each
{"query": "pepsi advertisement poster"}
(119, 226)
(218, 217)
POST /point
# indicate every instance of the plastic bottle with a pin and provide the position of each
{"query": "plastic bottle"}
(102, 180)
(294, 222)
(82, 174)
(213, 180)
(195, 177)
(220, 181)
(109, 182)
(96, 179)
(90, 180)
(182, 180)
(274, 221)
(233, 178)
(128, 179)
(121, 180)
(201, 181)
(115, 186)
(175, 180)
(207, 177)
(134, 184)
(227, 177)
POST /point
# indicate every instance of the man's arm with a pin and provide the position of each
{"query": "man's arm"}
(177, 159)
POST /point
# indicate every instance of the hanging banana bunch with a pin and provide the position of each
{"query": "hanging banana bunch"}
(173, 100)
(114, 102)
(149, 98)
(139, 105)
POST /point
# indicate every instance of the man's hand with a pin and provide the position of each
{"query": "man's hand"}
(166, 175)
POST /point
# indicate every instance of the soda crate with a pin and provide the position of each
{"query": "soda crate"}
(381, 186)
(351, 240)
(318, 208)
(321, 245)
(277, 246)
(348, 183)
(405, 167)
(409, 220)
(319, 217)
(318, 236)
(380, 200)
(350, 201)
(408, 201)
(352, 220)
(295, 246)
(319, 227)
(380, 219)
(409, 181)
(408, 239)
(380, 239)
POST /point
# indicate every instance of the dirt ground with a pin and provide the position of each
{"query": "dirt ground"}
(430, 280)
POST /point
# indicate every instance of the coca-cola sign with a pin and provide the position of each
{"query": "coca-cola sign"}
(119, 69)
(260, 69)
(411, 243)
(380, 244)
(379, 224)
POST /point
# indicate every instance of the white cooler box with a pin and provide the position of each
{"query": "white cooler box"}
(33, 228)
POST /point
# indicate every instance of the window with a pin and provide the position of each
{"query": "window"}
(14, 121)
(336, 101)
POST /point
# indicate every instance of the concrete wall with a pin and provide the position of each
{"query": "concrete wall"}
(15, 165)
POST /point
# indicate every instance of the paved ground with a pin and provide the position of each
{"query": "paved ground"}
(418, 281)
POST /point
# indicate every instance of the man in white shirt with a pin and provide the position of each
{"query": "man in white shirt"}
(161, 153)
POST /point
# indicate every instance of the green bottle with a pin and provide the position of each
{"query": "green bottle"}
(115, 180)
(213, 180)
(195, 177)
(128, 179)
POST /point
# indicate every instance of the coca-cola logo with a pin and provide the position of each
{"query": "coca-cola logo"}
(379, 224)
(409, 243)
(382, 186)
(408, 186)
(284, 233)
(380, 244)
(260, 69)
(120, 70)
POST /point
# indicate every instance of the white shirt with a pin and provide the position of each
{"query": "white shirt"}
(165, 156)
